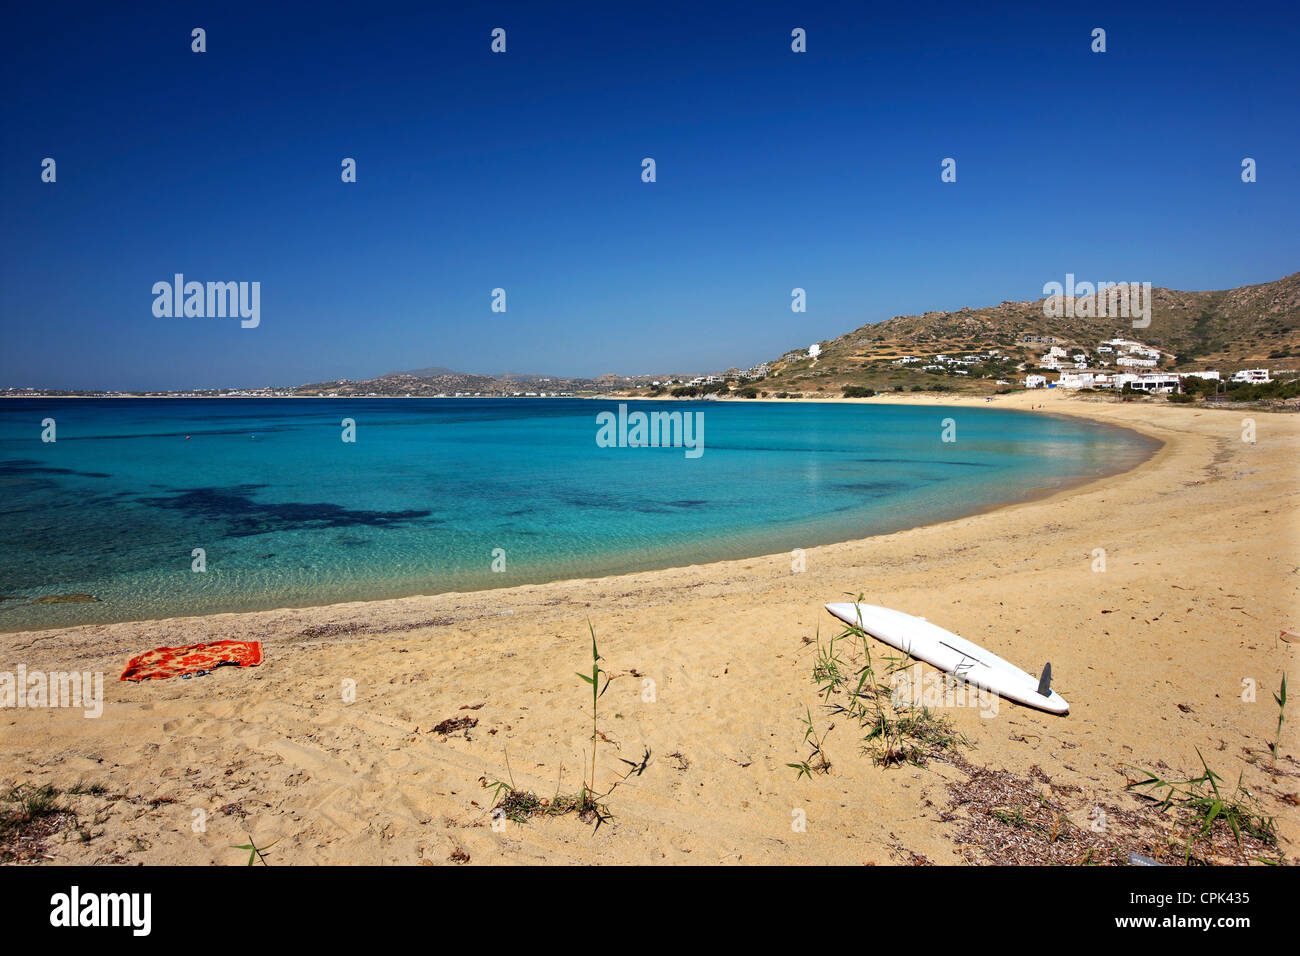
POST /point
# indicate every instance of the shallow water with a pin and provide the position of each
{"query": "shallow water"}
(289, 514)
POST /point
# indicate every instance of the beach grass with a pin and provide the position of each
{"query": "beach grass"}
(520, 806)
(894, 731)
(1205, 810)
(1280, 699)
(28, 816)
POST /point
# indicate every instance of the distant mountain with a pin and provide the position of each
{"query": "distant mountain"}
(436, 380)
(430, 382)
(436, 371)
(421, 373)
(395, 384)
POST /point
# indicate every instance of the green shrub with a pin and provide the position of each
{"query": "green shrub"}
(1278, 388)
(1194, 386)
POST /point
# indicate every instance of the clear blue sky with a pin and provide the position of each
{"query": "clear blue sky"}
(775, 170)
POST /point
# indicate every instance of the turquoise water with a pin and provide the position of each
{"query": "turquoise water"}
(290, 515)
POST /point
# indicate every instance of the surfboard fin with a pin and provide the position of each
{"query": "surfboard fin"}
(1045, 682)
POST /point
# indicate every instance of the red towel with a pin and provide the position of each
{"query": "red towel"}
(173, 661)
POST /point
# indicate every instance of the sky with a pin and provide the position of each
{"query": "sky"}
(522, 171)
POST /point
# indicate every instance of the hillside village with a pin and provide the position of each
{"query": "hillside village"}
(1042, 361)
(1115, 363)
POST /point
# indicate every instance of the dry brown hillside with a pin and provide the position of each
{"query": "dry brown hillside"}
(1255, 325)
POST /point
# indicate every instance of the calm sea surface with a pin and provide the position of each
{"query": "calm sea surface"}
(288, 514)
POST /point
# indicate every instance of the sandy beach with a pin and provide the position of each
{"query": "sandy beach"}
(712, 673)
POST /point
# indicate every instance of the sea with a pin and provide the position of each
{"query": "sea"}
(131, 509)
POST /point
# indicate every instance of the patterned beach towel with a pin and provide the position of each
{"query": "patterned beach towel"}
(192, 658)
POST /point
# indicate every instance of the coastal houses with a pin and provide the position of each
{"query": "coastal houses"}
(942, 361)
(1077, 380)
(1143, 382)
(1116, 363)
(1151, 382)
(1137, 361)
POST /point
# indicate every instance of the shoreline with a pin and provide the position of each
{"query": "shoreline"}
(1065, 487)
(1200, 539)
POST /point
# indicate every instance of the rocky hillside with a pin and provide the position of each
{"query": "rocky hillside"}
(1251, 326)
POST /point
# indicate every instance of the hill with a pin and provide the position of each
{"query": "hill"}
(1251, 326)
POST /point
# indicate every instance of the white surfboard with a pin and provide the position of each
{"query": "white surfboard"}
(955, 655)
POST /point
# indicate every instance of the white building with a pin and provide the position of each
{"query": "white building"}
(1157, 382)
(1035, 381)
(814, 350)
(1075, 380)
(1135, 361)
(1129, 347)
(1255, 376)
(1211, 376)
